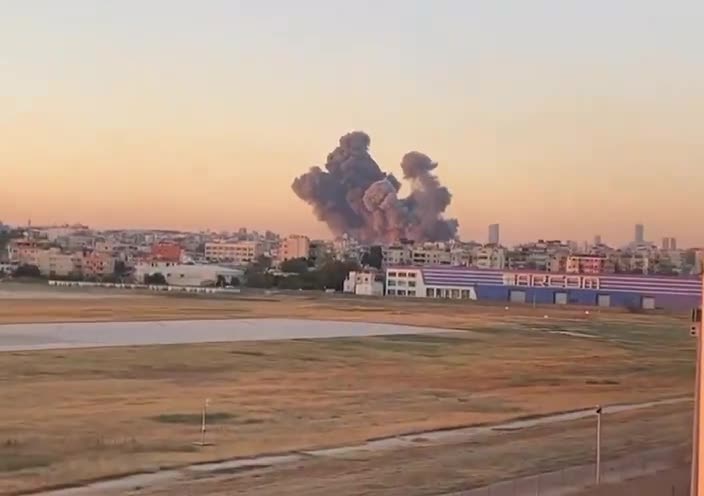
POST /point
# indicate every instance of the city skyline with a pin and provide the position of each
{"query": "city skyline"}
(119, 119)
(491, 232)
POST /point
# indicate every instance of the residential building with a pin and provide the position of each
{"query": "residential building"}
(491, 256)
(366, 283)
(23, 251)
(597, 240)
(167, 252)
(494, 238)
(98, 264)
(585, 264)
(431, 254)
(294, 246)
(55, 263)
(673, 243)
(399, 254)
(238, 252)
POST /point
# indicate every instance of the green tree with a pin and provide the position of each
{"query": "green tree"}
(295, 265)
(156, 279)
(334, 273)
(27, 271)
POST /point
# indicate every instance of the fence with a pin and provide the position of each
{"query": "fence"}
(150, 287)
(574, 479)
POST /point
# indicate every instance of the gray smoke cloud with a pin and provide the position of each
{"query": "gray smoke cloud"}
(354, 196)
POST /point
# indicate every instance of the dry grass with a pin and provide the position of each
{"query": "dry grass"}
(82, 414)
(450, 468)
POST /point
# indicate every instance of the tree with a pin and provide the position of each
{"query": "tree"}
(156, 279)
(27, 271)
(373, 258)
(334, 273)
(295, 265)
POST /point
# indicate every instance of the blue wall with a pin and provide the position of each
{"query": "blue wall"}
(543, 296)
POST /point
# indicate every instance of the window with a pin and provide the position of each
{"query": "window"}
(391, 292)
(391, 282)
(402, 292)
(430, 292)
(412, 284)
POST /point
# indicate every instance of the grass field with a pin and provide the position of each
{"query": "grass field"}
(448, 469)
(83, 414)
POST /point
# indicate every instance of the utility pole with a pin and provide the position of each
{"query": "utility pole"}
(598, 444)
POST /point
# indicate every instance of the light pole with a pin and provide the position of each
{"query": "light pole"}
(598, 444)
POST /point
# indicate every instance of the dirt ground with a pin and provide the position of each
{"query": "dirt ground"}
(674, 482)
(78, 415)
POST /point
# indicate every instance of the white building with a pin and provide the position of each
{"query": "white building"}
(408, 281)
(239, 252)
(177, 274)
(294, 246)
(363, 283)
(431, 254)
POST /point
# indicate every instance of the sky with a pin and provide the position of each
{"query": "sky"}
(557, 119)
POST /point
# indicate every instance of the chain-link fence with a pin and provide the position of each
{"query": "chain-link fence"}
(574, 479)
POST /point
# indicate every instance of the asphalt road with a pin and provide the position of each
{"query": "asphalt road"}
(24, 337)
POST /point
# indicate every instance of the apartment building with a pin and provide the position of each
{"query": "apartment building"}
(98, 264)
(431, 254)
(489, 257)
(23, 251)
(55, 263)
(294, 246)
(239, 252)
(168, 252)
(585, 264)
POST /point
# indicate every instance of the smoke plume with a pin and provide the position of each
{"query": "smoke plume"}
(354, 196)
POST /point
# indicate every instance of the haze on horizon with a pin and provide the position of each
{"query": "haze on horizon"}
(555, 119)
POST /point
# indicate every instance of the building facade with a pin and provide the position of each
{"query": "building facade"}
(167, 252)
(239, 252)
(294, 246)
(364, 283)
(585, 264)
(489, 257)
(177, 274)
(605, 290)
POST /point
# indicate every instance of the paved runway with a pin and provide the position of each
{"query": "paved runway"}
(21, 337)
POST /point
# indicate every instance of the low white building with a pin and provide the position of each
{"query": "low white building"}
(177, 274)
(363, 283)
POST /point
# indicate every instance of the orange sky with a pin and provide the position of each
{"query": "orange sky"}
(170, 136)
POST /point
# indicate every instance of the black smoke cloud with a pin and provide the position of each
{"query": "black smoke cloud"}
(354, 196)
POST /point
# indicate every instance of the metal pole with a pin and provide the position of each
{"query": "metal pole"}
(598, 444)
(202, 426)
